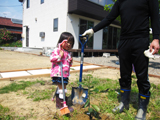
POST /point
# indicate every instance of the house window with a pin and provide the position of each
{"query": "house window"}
(105, 38)
(28, 3)
(99, 2)
(84, 25)
(55, 24)
(42, 1)
(102, 2)
(110, 2)
(111, 37)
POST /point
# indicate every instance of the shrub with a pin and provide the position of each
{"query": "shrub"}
(16, 44)
(4, 35)
(13, 44)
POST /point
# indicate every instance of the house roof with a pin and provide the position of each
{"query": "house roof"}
(8, 22)
(16, 32)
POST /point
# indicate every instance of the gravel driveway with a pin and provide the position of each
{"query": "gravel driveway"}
(154, 65)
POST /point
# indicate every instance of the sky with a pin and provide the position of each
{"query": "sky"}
(11, 9)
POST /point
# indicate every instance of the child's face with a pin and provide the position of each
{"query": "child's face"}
(67, 45)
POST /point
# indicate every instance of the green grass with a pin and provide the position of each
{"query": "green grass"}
(14, 87)
(38, 95)
(72, 68)
(21, 85)
(6, 115)
(3, 113)
(107, 93)
(104, 93)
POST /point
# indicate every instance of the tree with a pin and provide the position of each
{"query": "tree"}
(108, 7)
(5, 35)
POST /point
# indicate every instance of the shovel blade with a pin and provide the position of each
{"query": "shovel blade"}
(79, 95)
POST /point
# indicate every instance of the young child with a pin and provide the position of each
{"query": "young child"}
(61, 54)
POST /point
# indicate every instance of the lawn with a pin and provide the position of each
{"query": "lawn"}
(104, 95)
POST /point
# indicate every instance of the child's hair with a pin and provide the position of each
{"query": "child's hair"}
(68, 36)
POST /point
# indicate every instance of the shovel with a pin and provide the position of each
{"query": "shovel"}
(79, 94)
(64, 110)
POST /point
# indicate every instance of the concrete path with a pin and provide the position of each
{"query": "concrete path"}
(113, 61)
(11, 75)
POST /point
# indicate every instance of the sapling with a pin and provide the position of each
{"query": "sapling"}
(93, 109)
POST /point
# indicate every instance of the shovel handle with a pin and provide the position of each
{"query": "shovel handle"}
(62, 82)
(80, 36)
(82, 54)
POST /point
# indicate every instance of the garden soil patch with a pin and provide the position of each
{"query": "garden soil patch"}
(19, 103)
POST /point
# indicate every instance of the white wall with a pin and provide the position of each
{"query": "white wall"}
(73, 26)
(97, 45)
(45, 13)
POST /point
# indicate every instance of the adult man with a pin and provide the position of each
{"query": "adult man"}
(134, 40)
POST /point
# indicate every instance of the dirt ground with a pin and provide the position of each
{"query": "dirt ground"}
(18, 103)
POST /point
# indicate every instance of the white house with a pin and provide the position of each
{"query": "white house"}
(45, 20)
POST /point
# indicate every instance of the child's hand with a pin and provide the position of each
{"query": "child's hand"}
(61, 53)
(71, 59)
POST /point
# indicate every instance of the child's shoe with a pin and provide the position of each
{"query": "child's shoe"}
(69, 107)
(59, 103)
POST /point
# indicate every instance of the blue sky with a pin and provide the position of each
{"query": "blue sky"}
(11, 9)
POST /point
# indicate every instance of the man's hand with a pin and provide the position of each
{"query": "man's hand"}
(154, 45)
(149, 54)
(88, 32)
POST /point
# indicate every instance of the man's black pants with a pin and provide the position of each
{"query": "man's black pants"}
(130, 52)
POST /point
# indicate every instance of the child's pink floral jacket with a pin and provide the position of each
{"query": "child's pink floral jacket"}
(66, 60)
